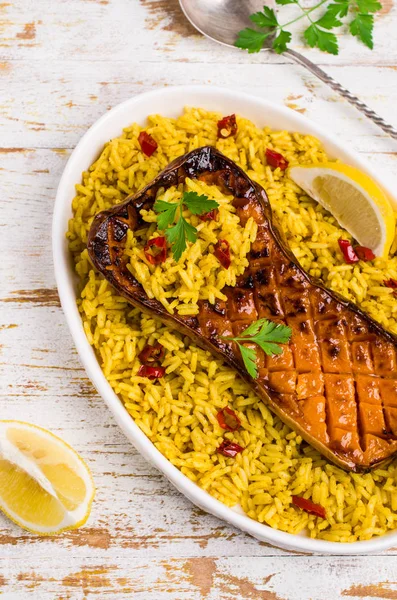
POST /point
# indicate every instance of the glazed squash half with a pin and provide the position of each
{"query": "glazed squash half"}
(335, 381)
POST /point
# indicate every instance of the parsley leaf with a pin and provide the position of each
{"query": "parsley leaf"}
(251, 40)
(254, 328)
(267, 18)
(324, 40)
(343, 8)
(177, 235)
(249, 358)
(329, 21)
(167, 212)
(339, 9)
(327, 42)
(368, 6)
(265, 330)
(362, 27)
(182, 230)
(198, 205)
(281, 41)
(310, 35)
(282, 2)
(267, 335)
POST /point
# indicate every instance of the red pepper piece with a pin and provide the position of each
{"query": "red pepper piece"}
(274, 159)
(227, 126)
(147, 143)
(159, 250)
(152, 354)
(151, 372)
(309, 506)
(228, 419)
(348, 253)
(229, 449)
(364, 253)
(391, 283)
(222, 253)
(209, 216)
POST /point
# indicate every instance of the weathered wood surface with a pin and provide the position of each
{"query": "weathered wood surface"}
(62, 64)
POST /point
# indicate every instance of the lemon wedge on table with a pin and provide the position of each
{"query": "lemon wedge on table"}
(45, 487)
(358, 204)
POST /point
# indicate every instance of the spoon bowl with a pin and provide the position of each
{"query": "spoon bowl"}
(221, 20)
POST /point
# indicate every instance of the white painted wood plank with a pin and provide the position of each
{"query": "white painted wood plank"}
(142, 31)
(62, 64)
(201, 578)
(52, 104)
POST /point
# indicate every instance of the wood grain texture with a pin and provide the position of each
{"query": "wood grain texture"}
(62, 65)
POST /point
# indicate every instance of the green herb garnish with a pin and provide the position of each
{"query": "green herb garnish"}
(267, 335)
(182, 230)
(318, 33)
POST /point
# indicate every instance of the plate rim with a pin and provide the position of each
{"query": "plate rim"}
(64, 274)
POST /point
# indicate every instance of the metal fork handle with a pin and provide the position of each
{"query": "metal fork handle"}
(370, 114)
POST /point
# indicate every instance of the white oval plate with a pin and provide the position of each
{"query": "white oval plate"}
(170, 102)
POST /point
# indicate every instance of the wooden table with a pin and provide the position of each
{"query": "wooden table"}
(63, 63)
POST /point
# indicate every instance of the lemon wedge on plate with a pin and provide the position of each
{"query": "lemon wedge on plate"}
(354, 199)
(45, 487)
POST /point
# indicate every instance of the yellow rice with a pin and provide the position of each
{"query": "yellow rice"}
(198, 275)
(178, 412)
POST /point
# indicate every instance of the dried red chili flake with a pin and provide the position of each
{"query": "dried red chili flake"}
(151, 372)
(364, 253)
(227, 126)
(152, 354)
(156, 250)
(348, 252)
(274, 159)
(391, 283)
(309, 506)
(222, 253)
(210, 216)
(229, 449)
(147, 143)
(228, 419)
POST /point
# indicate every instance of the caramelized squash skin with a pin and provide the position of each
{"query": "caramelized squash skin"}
(335, 382)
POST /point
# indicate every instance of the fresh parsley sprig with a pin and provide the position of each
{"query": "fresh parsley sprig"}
(267, 335)
(318, 33)
(181, 231)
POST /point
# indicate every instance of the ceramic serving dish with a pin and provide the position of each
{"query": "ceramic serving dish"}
(170, 102)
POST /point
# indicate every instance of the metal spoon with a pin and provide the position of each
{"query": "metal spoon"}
(221, 20)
